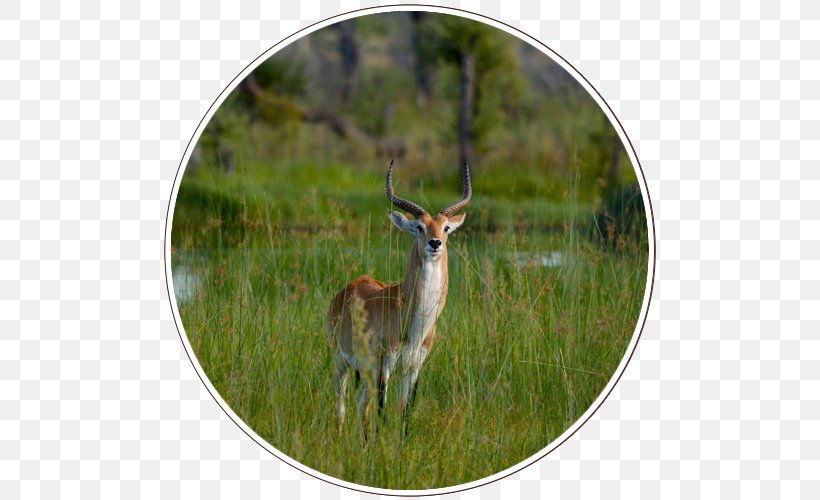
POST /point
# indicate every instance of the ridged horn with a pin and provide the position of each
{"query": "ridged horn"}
(403, 204)
(465, 199)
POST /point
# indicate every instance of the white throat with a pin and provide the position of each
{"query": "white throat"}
(432, 286)
(428, 307)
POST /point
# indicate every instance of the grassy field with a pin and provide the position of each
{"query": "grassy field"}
(538, 315)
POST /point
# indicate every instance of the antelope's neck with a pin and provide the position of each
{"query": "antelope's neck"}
(425, 291)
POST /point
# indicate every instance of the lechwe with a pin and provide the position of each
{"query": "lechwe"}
(375, 328)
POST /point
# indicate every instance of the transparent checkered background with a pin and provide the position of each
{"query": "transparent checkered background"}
(97, 103)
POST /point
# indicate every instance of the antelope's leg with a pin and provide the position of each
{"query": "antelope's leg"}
(409, 383)
(406, 382)
(412, 400)
(341, 375)
(363, 402)
(382, 393)
(387, 368)
(408, 386)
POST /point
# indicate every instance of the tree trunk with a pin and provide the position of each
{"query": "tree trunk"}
(421, 64)
(466, 108)
(349, 52)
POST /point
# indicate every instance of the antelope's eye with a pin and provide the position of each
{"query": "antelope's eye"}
(420, 229)
(446, 229)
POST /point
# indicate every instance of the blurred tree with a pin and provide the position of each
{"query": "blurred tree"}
(422, 86)
(278, 109)
(283, 75)
(478, 51)
(604, 155)
(421, 57)
(231, 121)
(466, 108)
(218, 141)
(349, 55)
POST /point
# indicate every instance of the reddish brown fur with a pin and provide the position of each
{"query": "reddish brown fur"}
(376, 296)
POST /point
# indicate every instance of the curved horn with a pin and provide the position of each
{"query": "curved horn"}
(406, 205)
(468, 193)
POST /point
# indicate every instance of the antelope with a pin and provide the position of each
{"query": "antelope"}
(399, 319)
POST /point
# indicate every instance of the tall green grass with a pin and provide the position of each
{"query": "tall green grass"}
(538, 316)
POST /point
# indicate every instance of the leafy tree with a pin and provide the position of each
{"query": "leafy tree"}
(487, 65)
(231, 121)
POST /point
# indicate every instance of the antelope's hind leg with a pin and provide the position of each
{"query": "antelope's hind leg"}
(363, 402)
(341, 375)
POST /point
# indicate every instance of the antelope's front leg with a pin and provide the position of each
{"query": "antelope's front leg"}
(387, 368)
(341, 374)
(409, 382)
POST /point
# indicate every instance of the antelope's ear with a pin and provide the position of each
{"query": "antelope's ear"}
(455, 221)
(403, 223)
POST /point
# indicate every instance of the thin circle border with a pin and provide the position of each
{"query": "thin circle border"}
(652, 261)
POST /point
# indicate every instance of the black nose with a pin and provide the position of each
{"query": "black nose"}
(434, 244)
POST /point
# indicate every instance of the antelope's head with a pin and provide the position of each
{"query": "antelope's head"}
(431, 232)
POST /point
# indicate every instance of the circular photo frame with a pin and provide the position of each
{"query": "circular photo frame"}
(314, 281)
